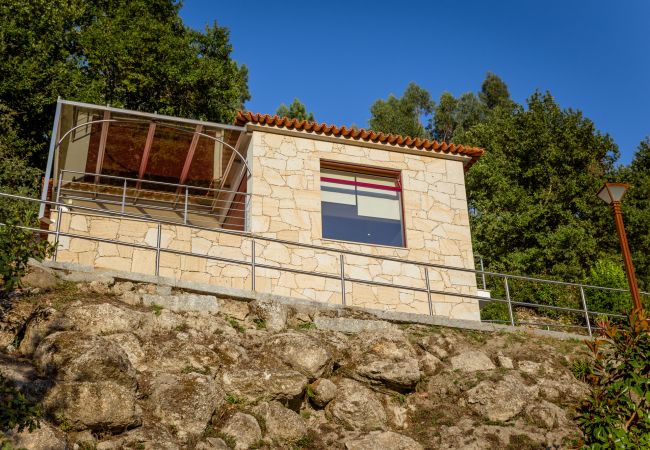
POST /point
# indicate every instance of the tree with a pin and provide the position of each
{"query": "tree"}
(403, 115)
(636, 211)
(531, 196)
(494, 92)
(456, 115)
(296, 110)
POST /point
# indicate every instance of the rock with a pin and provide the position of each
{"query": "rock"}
(40, 279)
(212, 443)
(97, 406)
(273, 313)
(183, 302)
(530, 367)
(384, 440)
(43, 322)
(324, 391)
(176, 355)
(286, 386)
(356, 407)
(46, 437)
(244, 429)
(101, 286)
(385, 360)
(75, 356)
(105, 318)
(347, 325)
(501, 400)
(83, 437)
(234, 308)
(122, 287)
(544, 414)
(301, 352)
(429, 364)
(505, 362)
(131, 346)
(437, 345)
(472, 361)
(184, 403)
(282, 424)
(149, 437)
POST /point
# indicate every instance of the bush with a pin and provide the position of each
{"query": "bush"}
(607, 273)
(16, 410)
(18, 246)
(616, 413)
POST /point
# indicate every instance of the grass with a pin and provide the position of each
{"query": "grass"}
(304, 442)
(310, 391)
(235, 324)
(63, 422)
(305, 414)
(182, 327)
(307, 326)
(234, 400)
(260, 324)
(192, 369)
(157, 309)
(399, 398)
(230, 441)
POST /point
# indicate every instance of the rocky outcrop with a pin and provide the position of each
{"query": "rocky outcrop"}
(114, 371)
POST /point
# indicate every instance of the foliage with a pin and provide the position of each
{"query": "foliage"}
(403, 115)
(608, 274)
(18, 246)
(297, 110)
(616, 413)
(16, 411)
(531, 196)
(494, 92)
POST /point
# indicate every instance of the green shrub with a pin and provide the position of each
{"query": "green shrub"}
(607, 273)
(18, 246)
(616, 413)
(15, 409)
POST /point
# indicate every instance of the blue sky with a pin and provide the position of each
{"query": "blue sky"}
(339, 57)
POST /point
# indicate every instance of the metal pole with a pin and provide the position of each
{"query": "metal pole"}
(158, 250)
(124, 197)
(342, 263)
(185, 213)
(426, 276)
(253, 264)
(480, 258)
(58, 232)
(512, 317)
(58, 190)
(584, 306)
(50, 156)
(627, 257)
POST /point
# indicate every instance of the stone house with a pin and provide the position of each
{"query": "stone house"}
(287, 207)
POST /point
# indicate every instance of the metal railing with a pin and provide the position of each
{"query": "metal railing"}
(254, 264)
(193, 203)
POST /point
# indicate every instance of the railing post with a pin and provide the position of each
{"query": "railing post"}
(58, 190)
(480, 259)
(584, 307)
(185, 210)
(253, 264)
(426, 276)
(512, 317)
(158, 238)
(59, 214)
(124, 197)
(342, 263)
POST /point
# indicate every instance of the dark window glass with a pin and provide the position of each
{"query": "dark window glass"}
(361, 208)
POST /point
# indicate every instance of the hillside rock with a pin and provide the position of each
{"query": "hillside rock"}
(503, 400)
(244, 429)
(272, 313)
(472, 361)
(46, 437)
(302, 353)
(385, 440)
(251, 385)
(324, 392)
(282, 424)
(357, 407)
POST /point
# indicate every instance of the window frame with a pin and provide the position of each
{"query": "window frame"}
(372, 171)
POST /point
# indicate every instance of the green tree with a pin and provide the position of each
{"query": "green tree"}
(533, 208)
(494, 92)
(607, 273)
(403, 115)
(297, 110)
(636, 211)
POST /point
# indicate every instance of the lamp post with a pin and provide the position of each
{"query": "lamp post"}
(612, 193)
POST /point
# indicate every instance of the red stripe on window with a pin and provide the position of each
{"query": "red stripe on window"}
(358, 183)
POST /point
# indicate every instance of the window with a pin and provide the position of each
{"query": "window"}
(361, 207)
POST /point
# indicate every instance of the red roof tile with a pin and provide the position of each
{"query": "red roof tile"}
(360, 133)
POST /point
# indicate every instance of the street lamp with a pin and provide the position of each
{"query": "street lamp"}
(612, 193)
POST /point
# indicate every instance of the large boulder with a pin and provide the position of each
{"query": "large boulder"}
(384, 440)
(282, 424)
(301, 352)
(545, 414)
(39, 278)
(104, 318)
(285, 386)
(472, 361)
(131, 346)
(501, 400)
(356, 407)
(184, 402)
(98, 406)
(45, 437)
(384, 360)
(243, 429)
(176, 356)
(74, 356)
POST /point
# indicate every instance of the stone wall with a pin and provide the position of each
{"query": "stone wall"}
(285, 204)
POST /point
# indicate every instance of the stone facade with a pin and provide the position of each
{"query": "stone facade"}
(285, 205)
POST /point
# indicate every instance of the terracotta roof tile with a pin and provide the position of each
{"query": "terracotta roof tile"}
(360, 133)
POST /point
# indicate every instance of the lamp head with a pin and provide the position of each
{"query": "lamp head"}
(612, 192)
